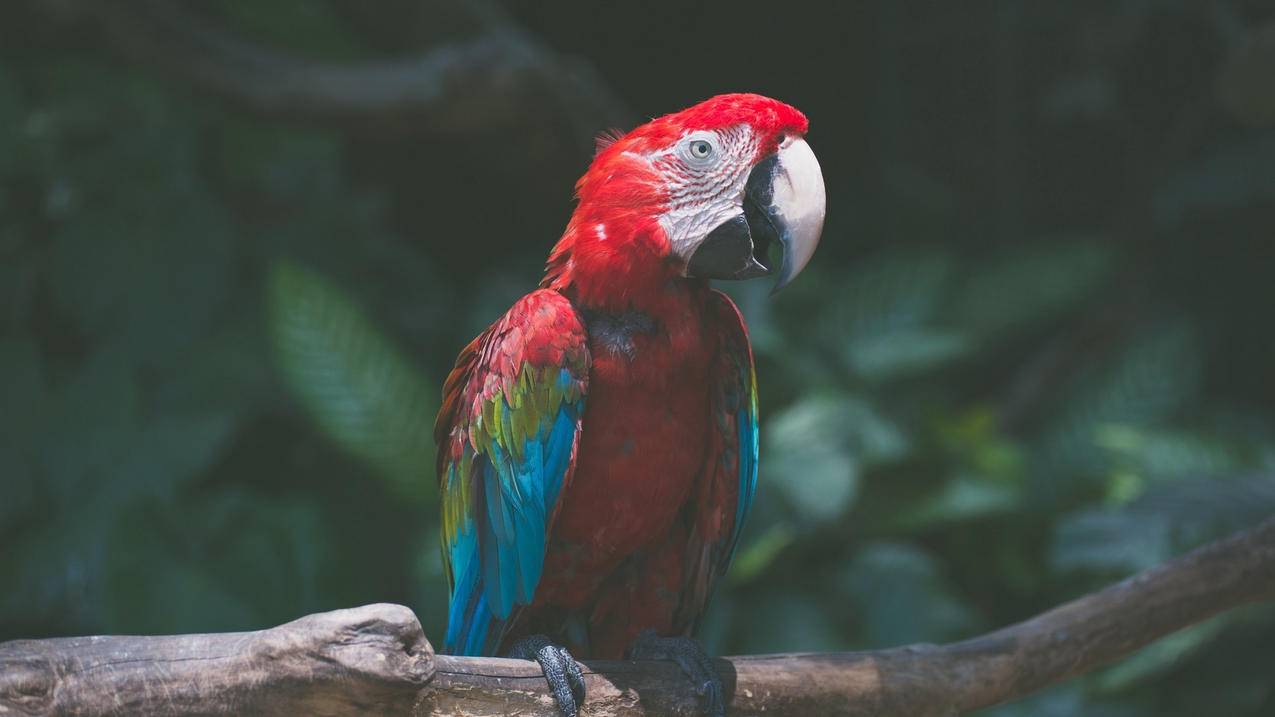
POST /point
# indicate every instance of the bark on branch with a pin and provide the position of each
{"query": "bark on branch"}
(375, 659)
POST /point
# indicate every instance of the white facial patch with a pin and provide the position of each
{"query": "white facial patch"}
(704, 192)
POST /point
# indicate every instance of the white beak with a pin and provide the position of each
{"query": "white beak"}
(799, 201)
(783, 203)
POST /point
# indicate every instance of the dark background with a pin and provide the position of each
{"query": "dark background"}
(1033, 354)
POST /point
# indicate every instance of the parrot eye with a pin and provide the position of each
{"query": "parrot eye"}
(701, 149)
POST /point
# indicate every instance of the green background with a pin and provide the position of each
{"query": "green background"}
(1034, 353)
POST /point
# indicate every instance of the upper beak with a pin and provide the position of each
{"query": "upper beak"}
(783, 202)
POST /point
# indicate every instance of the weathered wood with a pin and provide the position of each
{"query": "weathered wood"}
(334, 663)
(376, 660)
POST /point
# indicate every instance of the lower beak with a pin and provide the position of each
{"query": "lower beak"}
(783, 204)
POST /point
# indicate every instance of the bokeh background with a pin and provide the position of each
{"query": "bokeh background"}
(241, 243)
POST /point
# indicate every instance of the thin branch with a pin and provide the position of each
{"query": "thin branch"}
(498, 79)
(375, 659)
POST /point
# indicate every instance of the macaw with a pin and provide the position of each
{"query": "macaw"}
(597, 445)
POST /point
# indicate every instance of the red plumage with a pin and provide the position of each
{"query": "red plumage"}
(647, 520)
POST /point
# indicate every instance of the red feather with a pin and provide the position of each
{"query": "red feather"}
(648, 522)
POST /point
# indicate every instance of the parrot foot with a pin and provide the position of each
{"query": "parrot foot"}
(690, 656)
(563, 674)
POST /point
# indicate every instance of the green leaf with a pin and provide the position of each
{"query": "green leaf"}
(962, 498)
(790, 621)
(819, 481)
(904, 353)
(361, 391)
(1158, 371)
(758, 555)
(974, 437)
(1157, 455)
(1202, 509)
(892, 292)
(901, 597)
(815, 448)
(882, 320)
(1111, 542)
(807, 458)
(1028, 286)
(1166, 520)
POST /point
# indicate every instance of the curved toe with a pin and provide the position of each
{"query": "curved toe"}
(562, 672)
(693, 660)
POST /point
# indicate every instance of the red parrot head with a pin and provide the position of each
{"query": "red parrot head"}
(704, 193)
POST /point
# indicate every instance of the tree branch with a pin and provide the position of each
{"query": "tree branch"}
(496, 80)
(376, 659)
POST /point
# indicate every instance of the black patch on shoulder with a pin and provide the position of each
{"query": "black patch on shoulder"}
(615, 332)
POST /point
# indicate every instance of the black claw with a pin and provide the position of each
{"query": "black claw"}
(690, 656)
(575, 676)
(562, 672)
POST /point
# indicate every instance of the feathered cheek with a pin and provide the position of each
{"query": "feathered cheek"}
(687, 222)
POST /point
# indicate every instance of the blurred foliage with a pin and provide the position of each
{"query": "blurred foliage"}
(361, 391)
(1033, 356)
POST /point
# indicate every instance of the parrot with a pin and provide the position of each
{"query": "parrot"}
(598, 444)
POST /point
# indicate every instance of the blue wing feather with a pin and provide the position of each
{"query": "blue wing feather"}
(506, 450)
(749, 449)
(520, 495)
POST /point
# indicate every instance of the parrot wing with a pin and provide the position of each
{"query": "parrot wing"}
(730, 473)
(507, 434)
